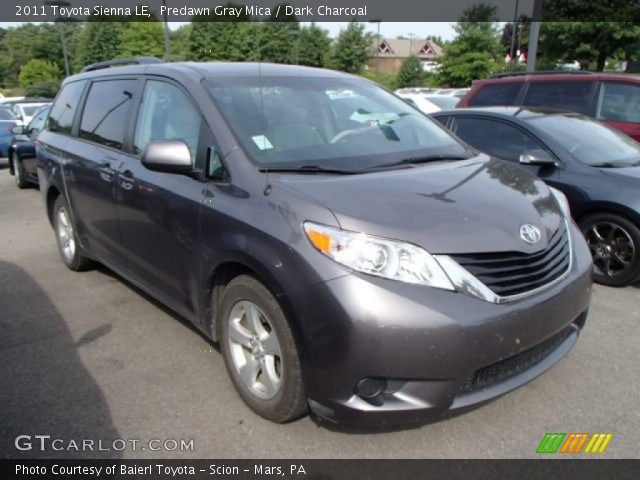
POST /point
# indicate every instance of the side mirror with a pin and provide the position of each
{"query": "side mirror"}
(18, 129)
(538, 157)
(169, 156)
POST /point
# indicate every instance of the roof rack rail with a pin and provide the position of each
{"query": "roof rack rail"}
(542, 72)
(120, 62)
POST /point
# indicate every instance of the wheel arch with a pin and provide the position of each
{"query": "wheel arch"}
(607, 207)
(52, 194)
(219, 276)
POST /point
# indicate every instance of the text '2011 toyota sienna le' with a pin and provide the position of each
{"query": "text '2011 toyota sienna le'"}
(350, 255)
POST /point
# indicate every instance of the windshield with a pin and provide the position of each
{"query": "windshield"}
(589, 141)
(6, 114)
(347, 124)
(445, 103)
(29, 110)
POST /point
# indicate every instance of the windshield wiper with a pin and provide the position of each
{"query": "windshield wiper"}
(423, 159)
(309, 169)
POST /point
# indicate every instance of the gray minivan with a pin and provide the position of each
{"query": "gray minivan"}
(349, 254)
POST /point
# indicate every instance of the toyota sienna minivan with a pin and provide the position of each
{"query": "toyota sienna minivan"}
(350, 256)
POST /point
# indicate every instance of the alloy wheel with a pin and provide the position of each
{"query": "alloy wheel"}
(255, 350)
(66, 235)
(612, 248)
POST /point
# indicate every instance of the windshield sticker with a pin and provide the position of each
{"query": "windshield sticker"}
(262, 142)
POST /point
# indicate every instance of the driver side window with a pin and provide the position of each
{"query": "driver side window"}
(495, 138)
(166, 114)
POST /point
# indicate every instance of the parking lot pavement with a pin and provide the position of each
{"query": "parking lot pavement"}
(87, 356)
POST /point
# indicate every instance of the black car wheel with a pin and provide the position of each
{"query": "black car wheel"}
(259, 351)
(18, 171)
(614, 242)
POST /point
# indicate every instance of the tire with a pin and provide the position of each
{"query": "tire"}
(255, 351)
(67, 238)
(18, 171)
(614, 242)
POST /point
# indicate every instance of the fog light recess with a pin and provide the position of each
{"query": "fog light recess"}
(370, 387)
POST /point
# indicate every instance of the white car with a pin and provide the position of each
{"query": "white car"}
(420, 102)
(10, 99)
(25, 111)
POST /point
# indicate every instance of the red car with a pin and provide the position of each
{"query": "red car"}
(613, 98)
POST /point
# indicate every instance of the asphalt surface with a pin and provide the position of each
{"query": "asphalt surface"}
(88, 356)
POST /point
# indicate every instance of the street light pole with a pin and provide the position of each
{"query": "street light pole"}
(532, 53)
(63, 39)
(514, 32)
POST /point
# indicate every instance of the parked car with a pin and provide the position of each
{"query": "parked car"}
(22, 152)
(443, 102)
(359, 270)
(613, 98)
(9, 100)
(420, 102)
(459, 92)
(26, 110)
(7, 121)
(595, 166)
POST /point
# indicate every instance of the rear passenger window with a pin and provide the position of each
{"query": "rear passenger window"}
(496, 94)
(620, 102)
(166, 114)
(65, 106)
(107, 112)
(570, 96)
(494, 138)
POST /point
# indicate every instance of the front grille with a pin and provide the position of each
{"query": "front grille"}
(511, 366)
(512, 273)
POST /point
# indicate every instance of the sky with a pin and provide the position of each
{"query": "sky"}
(387, 29)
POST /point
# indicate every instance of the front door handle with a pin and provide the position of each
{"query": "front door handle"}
(106, 172)
(126, 180)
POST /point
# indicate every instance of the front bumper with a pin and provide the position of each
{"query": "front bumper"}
(428, 344)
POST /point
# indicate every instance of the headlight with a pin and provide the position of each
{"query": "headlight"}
(563, 203)
(377, 256)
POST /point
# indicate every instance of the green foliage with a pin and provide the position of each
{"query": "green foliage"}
(387, 80)
(100, 41)
(411, 73)
(47, 89)
(314, 46)
(590, 43)
(180, 43)
(141, 39)
(280, 38)
(473, 53)
(351, 49)
(35, 71)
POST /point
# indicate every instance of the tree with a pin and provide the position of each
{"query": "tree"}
(180, 42)
(142, 39)
(47, 89)
(351, 50)
(314, 46)
(100, 41)
(473, 53)
(590, 43)
(38, 71)
(411, 73)
(280, 37)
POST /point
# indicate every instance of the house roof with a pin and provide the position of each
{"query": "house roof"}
(404, 47)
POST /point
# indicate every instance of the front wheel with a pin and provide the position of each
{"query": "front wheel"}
(614, 242)
(259, 351)
(18, 171)
(68, 244)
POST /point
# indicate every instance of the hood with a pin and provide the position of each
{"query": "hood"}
(469, 206)
(628, 173)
